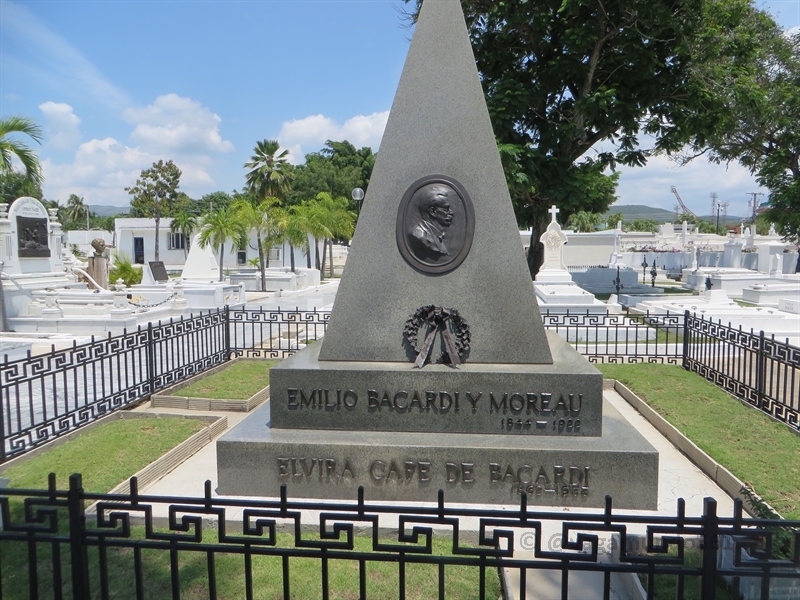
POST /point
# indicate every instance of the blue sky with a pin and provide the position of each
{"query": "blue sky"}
(118, 85)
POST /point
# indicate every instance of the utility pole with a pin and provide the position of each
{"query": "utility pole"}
(715, 209)
(754, 203)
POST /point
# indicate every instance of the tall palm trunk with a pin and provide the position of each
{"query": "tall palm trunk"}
(324, 253)
(261, 264)
(158, 223)
(221, 256)
(291, 254)
(330, 245)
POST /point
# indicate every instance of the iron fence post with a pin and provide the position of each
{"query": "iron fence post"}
(77, 527)
(2, 420)
(151, 359)
(686, 336)
(761, 367)
(710, 545)
(227, 320)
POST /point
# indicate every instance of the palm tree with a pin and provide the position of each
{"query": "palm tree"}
(256, 217)
(76, 209)
(334, 219)
(289, 227)
(9, 147)
(185, 223)
(269, 176)
(217, 227)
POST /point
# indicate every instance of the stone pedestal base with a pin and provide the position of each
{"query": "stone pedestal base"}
(254, 460)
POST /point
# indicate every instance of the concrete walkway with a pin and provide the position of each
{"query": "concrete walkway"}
(678, 478)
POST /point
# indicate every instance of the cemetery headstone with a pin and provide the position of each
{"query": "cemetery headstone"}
(496, 406)
(159, 271)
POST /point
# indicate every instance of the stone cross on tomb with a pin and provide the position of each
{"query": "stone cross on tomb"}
(553, 212)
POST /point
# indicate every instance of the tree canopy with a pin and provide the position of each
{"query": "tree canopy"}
(563, 76)
(15, 185)
(155, 194)
(13, 147)
(337, 169)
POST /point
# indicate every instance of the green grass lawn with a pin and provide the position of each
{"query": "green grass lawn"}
(761, 452)
(109, 454)
(239, 381)
(105, 455)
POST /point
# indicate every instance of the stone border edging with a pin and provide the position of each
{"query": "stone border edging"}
(114, 416)
(167, 462)
(167, 399)
(731, 484)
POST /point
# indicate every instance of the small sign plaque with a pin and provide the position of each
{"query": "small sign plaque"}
(158, 271)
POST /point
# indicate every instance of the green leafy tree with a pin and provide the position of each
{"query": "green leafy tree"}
(123, 269)
(184, 222)
(212, 201)
(15, 185)
(561, 76)
(289, 227)
(584, 221)
(217, 227)
(256, 217)
(9, 126)
(336, 169)
(77, 210)
(155, 194)
(642, 225)
(336, 222)
(760, 108)
(270, 176)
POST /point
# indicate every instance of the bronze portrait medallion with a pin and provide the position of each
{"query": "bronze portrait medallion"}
(435, 224)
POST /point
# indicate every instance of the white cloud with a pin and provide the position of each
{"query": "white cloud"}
(171, 128)
(306, 135)
(176, 124)
(650, 185)
(61, 124)
(57, 62)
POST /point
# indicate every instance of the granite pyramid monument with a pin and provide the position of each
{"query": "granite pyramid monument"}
(437, 275)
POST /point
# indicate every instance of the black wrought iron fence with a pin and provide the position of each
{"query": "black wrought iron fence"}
(43, 397)
(49, 395)
(759, 369)
(619, 338)
(53, 545)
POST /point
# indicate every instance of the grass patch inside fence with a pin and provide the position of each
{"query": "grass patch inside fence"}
(665, 587)
(239, 381)
(230, 572)
(105, 455)
(759, 451)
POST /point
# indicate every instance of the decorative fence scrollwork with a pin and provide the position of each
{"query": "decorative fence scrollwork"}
(121, 539)
(43, 397)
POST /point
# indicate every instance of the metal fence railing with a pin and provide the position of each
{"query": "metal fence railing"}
(45, 396)
(138, 546)
(758, 369)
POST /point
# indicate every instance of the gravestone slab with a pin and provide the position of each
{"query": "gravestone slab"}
(475, 398)
(158, 271)
(254, 459)
(30, 229)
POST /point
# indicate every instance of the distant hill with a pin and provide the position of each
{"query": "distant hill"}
(103, 210)
(631, 212)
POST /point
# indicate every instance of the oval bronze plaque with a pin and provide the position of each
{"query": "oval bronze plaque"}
(435, 224)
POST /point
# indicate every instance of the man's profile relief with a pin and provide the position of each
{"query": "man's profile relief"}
(436, 215)
(435, 224)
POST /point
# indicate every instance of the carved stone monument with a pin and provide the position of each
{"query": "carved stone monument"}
(98, 263)
(435, 371)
